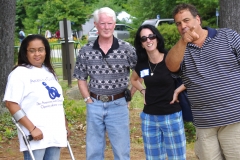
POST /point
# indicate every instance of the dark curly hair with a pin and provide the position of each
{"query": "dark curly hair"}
(141, 52)
(184, 6)
(22, 54)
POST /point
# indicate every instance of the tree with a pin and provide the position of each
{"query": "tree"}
(149, 9)
(7, 19)
(229, 14)
(32, 8)
(20, 15)
(54, 11)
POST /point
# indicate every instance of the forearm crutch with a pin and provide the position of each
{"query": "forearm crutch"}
(29, 138)
(25, 138)
(70, 150)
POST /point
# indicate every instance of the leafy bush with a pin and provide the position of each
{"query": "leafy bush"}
(8, 129)
(16, 48)
(170, 34)
(190, 131)
(132, 36)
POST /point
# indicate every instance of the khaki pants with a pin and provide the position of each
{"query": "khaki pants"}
(219, 143)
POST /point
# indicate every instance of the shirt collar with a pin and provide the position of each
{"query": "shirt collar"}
(115, 44)
(211, 32)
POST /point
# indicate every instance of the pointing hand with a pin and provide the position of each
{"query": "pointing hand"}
(189, 35)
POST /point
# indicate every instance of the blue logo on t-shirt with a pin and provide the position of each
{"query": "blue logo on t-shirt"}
(52, 91)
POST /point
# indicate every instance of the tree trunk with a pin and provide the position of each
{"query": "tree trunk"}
(229, 14)
(7, 26)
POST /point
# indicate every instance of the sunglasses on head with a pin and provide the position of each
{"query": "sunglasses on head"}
(150, 36)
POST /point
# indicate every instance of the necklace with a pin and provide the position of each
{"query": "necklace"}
(151, 68)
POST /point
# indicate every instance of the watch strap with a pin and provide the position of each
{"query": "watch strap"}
(87, 98)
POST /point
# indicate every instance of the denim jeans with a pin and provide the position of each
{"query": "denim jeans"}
(50, 153)
(111, 117)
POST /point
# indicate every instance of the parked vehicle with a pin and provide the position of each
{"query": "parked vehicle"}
(121, 31)
(92, 34)
(158, 22)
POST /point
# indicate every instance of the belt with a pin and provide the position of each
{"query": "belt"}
(107, 98)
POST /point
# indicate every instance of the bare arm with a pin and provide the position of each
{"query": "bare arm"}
(176, 93)
(135, 81)
(83, 87)
(175, 56)
(176, 53)
(134, 89)
(35, 132)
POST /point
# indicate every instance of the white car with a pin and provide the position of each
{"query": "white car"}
(121, 31)
(158, 22)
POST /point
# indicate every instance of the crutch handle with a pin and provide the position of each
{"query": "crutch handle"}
(29, 137)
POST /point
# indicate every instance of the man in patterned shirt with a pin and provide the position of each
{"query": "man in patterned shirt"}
(107, 61)
(209, 63)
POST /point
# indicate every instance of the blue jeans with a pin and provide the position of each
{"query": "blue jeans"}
(50, 153)
(111, 117)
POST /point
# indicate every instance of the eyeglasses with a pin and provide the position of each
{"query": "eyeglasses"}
(33, 51)
(150, 36)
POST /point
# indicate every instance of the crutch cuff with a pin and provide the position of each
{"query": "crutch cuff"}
(19, 115)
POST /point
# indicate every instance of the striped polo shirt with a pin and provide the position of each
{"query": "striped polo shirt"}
(108, 73)
(211, 74)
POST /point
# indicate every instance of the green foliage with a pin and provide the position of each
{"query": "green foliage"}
(132, 36)
(7, 128)
(16, 48)
(149, 9)
(190, 132)
(32, 8)
(142, 9)
(116, 5)
(20, 14)
(75, 111)
(55, 10)
(33, 15)
(170, 34)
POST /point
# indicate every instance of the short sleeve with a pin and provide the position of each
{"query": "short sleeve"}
(15, 88)
(132, 57)
(80, 71)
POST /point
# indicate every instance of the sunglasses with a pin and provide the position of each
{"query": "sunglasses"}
(150, 36)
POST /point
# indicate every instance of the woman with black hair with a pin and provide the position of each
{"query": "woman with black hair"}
(162, 123)
(35, 100)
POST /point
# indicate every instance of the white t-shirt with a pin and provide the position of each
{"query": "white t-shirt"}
(40, 96)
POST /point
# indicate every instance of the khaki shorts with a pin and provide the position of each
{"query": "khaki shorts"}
(219, 143)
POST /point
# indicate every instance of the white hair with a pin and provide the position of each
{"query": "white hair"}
(106, 10)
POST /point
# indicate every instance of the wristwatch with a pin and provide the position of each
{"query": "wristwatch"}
(87, 98)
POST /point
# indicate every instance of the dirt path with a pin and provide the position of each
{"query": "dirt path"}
(10, 150)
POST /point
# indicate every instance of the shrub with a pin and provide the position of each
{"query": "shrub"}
(170, 35)
(190, 132)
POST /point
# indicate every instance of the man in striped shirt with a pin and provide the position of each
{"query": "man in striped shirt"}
(209, 62)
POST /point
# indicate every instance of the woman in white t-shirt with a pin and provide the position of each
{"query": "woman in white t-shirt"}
(35, 99)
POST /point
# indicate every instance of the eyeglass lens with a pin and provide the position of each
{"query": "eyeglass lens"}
(150, 36)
